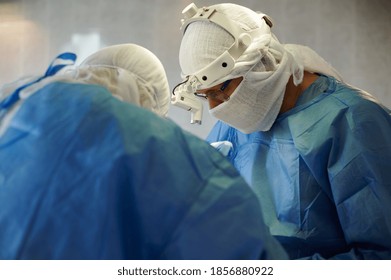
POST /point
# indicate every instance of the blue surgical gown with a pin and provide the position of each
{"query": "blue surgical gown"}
(322, 173)
(86, 176)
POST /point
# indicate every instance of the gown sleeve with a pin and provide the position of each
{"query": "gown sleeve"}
(349, 154)
(359, 169)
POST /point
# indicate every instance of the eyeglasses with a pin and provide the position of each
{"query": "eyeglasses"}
(216, 94)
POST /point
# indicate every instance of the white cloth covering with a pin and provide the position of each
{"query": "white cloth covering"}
(266, 67)
(130, 72)
(149, 76)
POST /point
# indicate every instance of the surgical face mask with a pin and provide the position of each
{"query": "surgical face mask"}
(256, 102)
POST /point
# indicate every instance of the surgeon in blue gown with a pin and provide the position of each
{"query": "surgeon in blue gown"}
(86, 173)
(316, 150)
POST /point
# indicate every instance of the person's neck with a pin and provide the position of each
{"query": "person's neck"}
(293, 92)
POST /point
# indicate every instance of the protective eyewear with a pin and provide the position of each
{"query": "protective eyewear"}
(216, 94)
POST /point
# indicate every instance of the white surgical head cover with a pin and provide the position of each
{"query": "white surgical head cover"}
(132, 74)
(266, 68)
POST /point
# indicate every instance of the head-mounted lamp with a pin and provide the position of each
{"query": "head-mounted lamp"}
(222, 65)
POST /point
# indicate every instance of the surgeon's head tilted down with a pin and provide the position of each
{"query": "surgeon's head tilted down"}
(219, 67)
(226, 42)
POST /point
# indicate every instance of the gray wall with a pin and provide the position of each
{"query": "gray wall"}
(353, 35)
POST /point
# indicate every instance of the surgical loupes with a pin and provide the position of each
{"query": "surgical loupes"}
(184, 97)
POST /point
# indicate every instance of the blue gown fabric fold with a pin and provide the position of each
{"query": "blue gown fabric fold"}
(322, 173)
(86, 176)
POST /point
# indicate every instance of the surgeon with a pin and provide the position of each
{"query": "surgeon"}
(314, 149)
(91, 169)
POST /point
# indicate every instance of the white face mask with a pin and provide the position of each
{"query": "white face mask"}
(256, 102)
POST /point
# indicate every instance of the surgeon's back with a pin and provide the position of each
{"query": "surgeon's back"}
(86, 176)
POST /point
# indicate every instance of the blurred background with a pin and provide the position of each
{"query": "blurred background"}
(352, 35)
